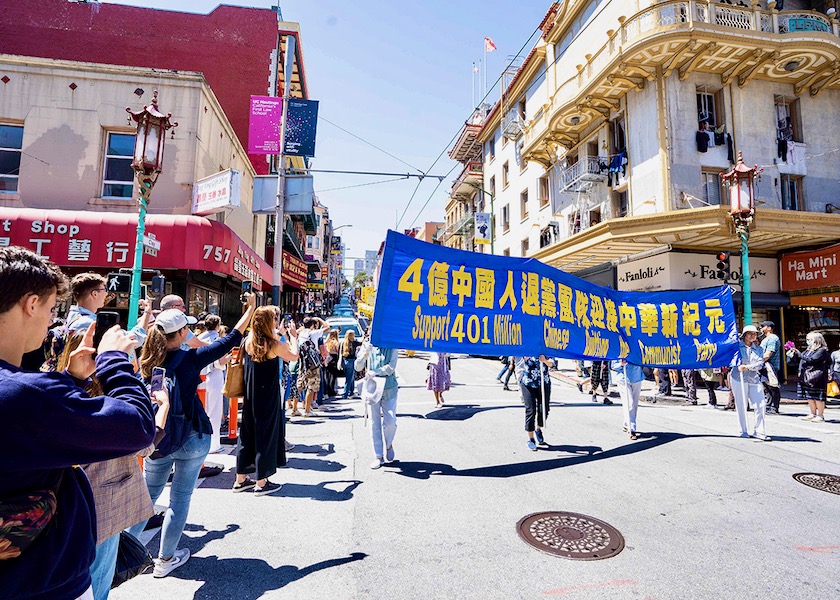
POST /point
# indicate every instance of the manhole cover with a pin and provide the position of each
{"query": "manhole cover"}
(820, 481)
(570, 535)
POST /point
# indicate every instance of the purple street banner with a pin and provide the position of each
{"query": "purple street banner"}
(435, 298)
(301, 127)
(264, 125)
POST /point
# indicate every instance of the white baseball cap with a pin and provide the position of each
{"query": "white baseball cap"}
(172, 320)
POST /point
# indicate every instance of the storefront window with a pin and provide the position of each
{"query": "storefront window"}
(203, 300)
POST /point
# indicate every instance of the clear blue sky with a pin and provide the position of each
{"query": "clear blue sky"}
(397, 74)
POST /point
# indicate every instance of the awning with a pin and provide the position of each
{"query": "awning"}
(85, 239)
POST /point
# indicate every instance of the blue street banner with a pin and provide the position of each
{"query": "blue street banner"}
(301, 127)
(441, 299)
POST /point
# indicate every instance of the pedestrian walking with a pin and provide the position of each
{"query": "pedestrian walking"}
(690, 386)
(813, 376)
(439, 377)
(333, 365)
(746, 382)
(310, 362)
(664, 382)
(214, 381)
(600, 376)
(834, 375)
(710, 377)
(163, 348)
(771, 345)
(349, 346)
(261, 445)
(535, 386)
(381, 363)
(629, 378)
(57, 426)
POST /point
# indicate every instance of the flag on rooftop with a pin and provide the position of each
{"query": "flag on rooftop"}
(489, 46)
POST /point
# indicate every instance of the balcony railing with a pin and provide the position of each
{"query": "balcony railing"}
(587, 170)
(689, 13)
(469, 181)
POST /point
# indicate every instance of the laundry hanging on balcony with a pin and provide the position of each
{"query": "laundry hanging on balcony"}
(617, 164)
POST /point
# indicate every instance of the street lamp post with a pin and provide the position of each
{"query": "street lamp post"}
(152, 126)
(741, 181)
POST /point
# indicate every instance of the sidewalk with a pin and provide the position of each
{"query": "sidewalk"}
(567, 374)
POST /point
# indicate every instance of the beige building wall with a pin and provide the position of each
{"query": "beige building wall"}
(68, 108)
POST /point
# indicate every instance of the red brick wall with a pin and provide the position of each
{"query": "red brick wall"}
(232, 46)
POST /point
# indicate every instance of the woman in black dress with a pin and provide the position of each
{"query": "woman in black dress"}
(813, 376)
(261, 449)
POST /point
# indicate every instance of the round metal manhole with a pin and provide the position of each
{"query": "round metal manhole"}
(570, 535)
(820, 481)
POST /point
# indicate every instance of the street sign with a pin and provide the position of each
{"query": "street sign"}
(150, 245)
(118, 283)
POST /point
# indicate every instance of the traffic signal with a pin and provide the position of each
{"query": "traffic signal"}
(158, 283)
(118, 283)
(723, 266)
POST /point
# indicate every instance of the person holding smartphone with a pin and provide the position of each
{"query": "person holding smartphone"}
(163, 348)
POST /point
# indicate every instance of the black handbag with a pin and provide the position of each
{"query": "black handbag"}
(132, 559)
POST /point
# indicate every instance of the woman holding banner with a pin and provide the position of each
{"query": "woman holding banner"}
(629, 378)
(746, 382)
(381, 363)
(535, 384)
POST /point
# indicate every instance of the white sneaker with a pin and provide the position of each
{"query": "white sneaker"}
(377, 462)
(818, 419)
(165, 567)
(808, 418)
(761, 436)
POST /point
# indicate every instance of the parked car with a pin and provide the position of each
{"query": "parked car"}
(343, 324)
(364, 323)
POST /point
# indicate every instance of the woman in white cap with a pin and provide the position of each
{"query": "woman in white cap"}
(183, 370)
(746, 382)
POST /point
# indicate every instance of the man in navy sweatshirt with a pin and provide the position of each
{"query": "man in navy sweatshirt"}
(52, 424)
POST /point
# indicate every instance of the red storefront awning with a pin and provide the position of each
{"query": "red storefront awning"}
(84, 239)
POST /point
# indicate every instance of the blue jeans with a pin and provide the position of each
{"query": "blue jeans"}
(503, 371)
(349, 377)
(102, 569)
(187, 460)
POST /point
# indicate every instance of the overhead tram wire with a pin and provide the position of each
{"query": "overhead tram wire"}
(457, 133)
(371, 144)
(429, 199)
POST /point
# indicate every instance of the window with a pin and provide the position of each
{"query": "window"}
(543, 187)
(505, 174)
(11, 143)
(525, 245)
(622, 208)
(618, 138)
(506, 217)
(712, 187)
(506, 252)
(492, 189)
(788, 119)
(521, 110)
(791, 192)
(594, 217)
(574, 223)
(523, 204)
(491, 149)
(710, 106)
(118, 179)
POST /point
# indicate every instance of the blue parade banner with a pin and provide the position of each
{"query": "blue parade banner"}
(441, 299)
(301, 127)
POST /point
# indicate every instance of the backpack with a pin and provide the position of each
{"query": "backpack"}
(309, 356)
(178, 427)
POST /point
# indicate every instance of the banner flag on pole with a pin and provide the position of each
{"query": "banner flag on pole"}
(489, 46)
(441, 299)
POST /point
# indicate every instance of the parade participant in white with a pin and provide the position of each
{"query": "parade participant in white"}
(381, 363)
(746, 382)
(214, 382)
(629, 378)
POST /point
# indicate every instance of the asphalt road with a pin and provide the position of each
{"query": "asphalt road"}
(704, 513)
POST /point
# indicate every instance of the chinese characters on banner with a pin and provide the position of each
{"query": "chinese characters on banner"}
(437, 298)
(264, 125)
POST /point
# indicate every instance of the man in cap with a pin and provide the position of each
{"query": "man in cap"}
(746, 382)
(174, 301)
(771, 345)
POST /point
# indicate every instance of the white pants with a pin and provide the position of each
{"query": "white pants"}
(754, 393)
(384, 411)
(629, 393)
(213, 387)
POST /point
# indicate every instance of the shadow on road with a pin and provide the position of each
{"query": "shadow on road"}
(582, 455)
(323, 491)
(248, 578)
(462, 412)
(314, 464)
(317, 450)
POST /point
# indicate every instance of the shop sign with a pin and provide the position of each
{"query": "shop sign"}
(294, 270)
(482, 228)
(808, 270)
(688, 271)
(264, 125)
(325, 272)
(822, 300)
(315, 286)
(217, 192)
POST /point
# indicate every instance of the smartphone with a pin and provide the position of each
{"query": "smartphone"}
(158, 374)
(287, 319)
(144, 291)
(247, 288)
(104, 321)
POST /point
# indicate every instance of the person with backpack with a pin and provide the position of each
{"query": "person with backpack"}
(56, 427)
(188, 429)
(310, 361)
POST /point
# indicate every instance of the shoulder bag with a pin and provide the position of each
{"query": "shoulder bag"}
(235, 376)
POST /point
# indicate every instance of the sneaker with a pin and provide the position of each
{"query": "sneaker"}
(540, 439)
(165, 567)
(608, 402)
(296, 414)
(580, 387)
(269, 488)
(723, 388)
(311, 414)
(288, 445)
(808, 417)
(389, 454)
(761, 436)
(245, 485)
(692, 402)
(532, 445)
(634, 435)
(818, 419)
(377, 462)
(744, 434)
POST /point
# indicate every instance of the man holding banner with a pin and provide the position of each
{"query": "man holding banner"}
(535, 384)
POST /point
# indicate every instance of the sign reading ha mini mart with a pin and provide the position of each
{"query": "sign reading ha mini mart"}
(217, 192)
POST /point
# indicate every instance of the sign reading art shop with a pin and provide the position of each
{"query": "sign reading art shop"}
(808, 270)
(435, 298)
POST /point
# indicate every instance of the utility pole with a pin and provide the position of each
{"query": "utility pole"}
(279, 211)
